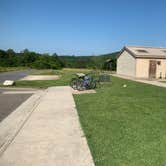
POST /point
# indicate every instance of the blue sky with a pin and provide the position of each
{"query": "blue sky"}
(81, 27)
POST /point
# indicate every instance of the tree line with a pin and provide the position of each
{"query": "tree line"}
(92, 62)
(26, 58)
(30, 59)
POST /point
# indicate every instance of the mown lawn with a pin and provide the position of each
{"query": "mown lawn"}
(7, 69)
(65, 78)
(125, 126)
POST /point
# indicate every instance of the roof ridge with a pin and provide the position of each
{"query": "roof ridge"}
(146, 47)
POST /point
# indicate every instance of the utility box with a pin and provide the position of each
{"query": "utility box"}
(104, 78)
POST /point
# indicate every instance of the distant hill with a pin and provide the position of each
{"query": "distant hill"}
(88, 61)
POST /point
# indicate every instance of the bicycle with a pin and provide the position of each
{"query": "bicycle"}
(83, 82)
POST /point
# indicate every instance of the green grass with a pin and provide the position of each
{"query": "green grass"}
(59, 72)
(125, 126)
(46, 72)
(65, 78)
(7, 69)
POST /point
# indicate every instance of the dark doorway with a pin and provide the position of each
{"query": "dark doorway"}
(152, 69)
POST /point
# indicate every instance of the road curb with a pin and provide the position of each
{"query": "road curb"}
(12, 124)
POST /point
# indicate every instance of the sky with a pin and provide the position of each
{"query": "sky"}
(81, 27)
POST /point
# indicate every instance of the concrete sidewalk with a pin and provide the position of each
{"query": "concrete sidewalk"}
(151, 82)
(51, 136)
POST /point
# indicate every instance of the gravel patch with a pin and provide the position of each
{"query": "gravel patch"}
(40, 77)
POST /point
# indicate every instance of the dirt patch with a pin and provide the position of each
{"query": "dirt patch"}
(40, 77)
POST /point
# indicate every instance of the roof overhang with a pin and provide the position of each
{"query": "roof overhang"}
(129, 51)
(140, 56)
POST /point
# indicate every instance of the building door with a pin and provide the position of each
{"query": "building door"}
(152, 69)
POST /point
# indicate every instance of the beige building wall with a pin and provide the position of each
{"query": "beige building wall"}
(126, 64)
(142, 68)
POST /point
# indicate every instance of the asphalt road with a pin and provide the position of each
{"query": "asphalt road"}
(14, 75)
(9, 102)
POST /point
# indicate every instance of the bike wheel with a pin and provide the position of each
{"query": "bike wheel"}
(73, 83)
(93, 85)
(80, 85)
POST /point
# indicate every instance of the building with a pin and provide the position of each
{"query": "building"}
(108, 64)
(142, 62)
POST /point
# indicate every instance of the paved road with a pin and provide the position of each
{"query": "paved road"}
(14, 75)
(9, 102)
